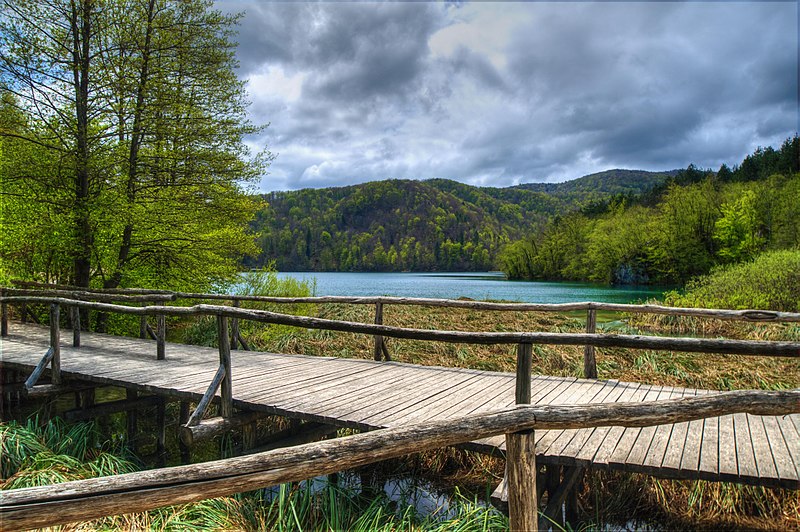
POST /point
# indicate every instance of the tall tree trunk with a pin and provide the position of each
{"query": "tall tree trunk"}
(81, 15)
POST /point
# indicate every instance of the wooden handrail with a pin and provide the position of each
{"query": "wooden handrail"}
(134, 492)
(659, 343)
(722, 314)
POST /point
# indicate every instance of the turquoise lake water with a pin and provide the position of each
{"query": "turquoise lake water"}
(480, 286)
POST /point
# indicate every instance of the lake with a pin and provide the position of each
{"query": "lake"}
(481, 286)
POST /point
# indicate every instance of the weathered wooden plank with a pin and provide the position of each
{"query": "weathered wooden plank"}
(341, 389)
(564, 442)
(293, 385)
(745, 459)
(761, 448)
(628, 438)
(609, 440)
(709, 452)
(694, 439)
(727, 447)
(582, 436)
(395, 399)
(425, 406)
(677, 442)
(288, 393)
(791, 437)
(651, 444)
(454, 403)
(588, 392)
(784, 464)
(396, 379)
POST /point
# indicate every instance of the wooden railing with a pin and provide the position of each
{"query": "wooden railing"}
(140, 491)
(83, 500)
(194, 429)
(380, 350)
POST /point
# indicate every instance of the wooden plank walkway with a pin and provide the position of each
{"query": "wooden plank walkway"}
(365, 395)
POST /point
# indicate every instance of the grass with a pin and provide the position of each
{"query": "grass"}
(34, 454)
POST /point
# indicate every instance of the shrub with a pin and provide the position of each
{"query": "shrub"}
(770, 282)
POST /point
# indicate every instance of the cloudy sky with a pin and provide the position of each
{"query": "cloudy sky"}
(497, 94)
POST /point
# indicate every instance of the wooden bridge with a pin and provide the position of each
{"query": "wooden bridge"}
(369, 395)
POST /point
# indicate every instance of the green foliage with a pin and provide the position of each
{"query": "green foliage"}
(770, 282)
(37, 455)
(125, 168)
(690, 223)
(737, 229)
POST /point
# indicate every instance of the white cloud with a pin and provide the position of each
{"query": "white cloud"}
(271, 82)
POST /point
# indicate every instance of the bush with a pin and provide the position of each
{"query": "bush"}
(770, 282)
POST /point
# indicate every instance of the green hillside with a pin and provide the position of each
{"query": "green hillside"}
(407, 225)
(684, 226)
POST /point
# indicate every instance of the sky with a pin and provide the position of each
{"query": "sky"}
(497, 94)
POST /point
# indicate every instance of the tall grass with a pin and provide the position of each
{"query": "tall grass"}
(35, 454)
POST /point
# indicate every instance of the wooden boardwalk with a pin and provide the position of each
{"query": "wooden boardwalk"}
(363, 394)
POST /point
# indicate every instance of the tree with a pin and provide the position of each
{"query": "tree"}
(138, 104)
(737, 229)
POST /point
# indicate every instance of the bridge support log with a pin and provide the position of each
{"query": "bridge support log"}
(185, 450)
(132, 418)
(558, 492)
(208, 428)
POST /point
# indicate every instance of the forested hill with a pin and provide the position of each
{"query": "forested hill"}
(434, 225)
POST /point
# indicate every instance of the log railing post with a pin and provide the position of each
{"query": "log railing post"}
(143, 324)
(523, 504)
(3, 319)
(235, 328)
(524, 367)
(55, 343)
(75, 322)
(161, 336)
(377, 352)
(589, 362)
(226, 408)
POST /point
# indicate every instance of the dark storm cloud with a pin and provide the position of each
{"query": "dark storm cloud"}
(497, 94)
